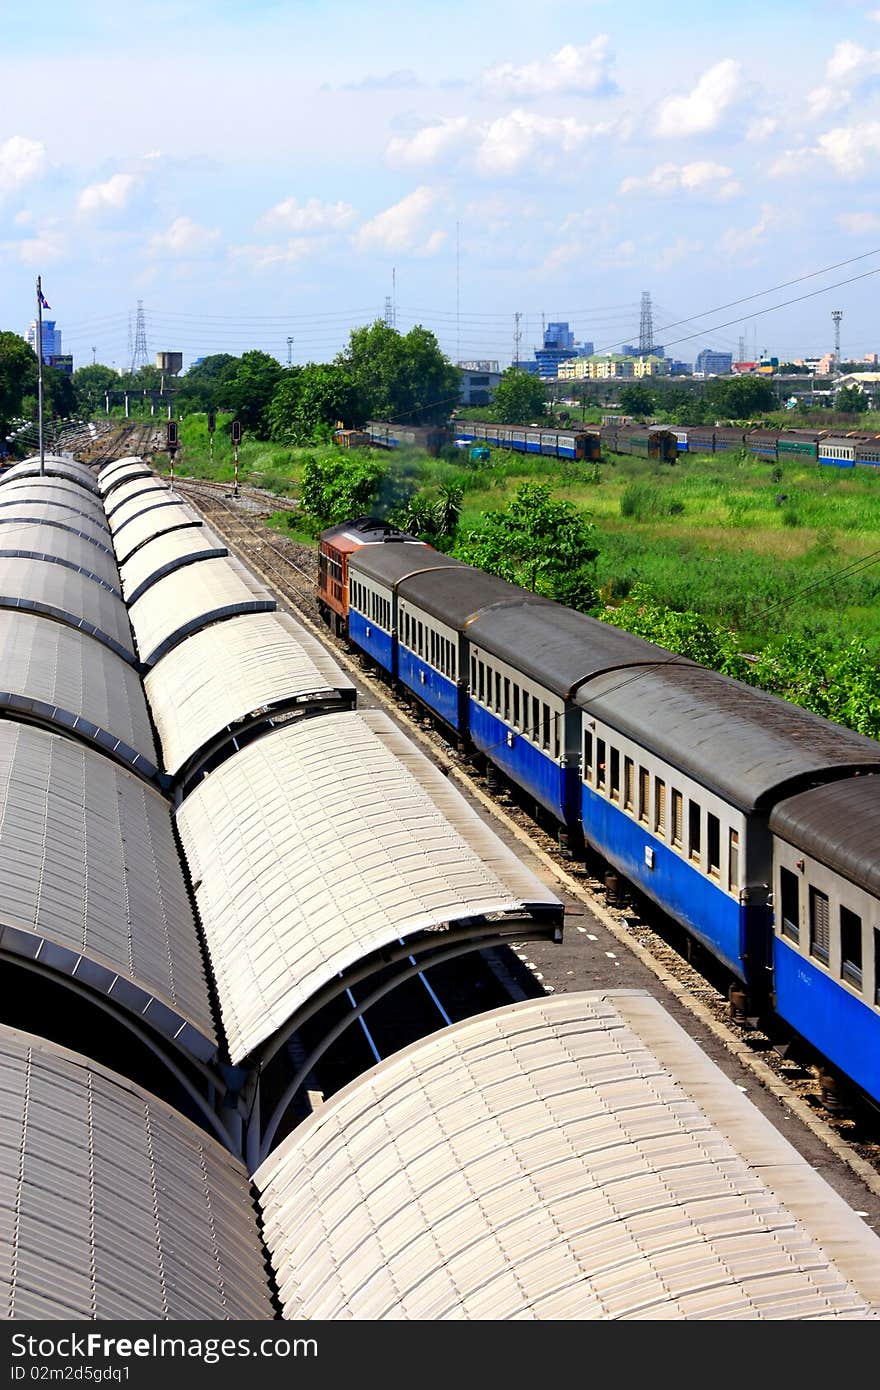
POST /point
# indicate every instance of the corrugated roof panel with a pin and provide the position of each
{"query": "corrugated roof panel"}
(69, 597)
(230, 670)
(189, 599)
(126, 471)
(167, 552)
(65, 546)
(157, 495)
(742, 743)
(51, 514)
(313, 847)
(155, 522)
(131, 490)
(56, 490)
(54, 467)
(109, 470)
(578, 1157)
(63, 677)
(838, 824)
(89, 864)
(118, 1207)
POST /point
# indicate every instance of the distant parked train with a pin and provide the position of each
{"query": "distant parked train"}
(582, 445)
(750, 821)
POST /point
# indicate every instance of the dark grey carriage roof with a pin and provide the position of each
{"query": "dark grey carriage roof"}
(750, 747)
(457, 594)
(115, 1205)
(838, 824)
(557, 646)
(390, 563)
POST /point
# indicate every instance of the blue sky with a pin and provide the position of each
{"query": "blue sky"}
(253, 172)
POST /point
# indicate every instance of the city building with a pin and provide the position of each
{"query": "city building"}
(869, 382)
(51, 339)
(62, 363)
(478, 381)
(712, 363)
(612, 366)
(652, 365)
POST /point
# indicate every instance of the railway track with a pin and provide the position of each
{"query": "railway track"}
(290, 569)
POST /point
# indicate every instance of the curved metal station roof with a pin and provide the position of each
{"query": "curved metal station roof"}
(838, 824)
(155, 522)
(158, 495)
(290, 895)
(738, 741)
(55, 514)
(60, 543)
(166, 553)
(109, 470)
(68, 596)
(53, 468)
(126, 471)
(92, 883)
(116, 1206)
(132, 489)
(189, 599)
(60, 677)
(559, 647)
(233, 670)
(540, 1161)
(58, 491)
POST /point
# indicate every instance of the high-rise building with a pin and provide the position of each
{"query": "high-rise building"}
(51, 339)
(712, 363)
(558, 346)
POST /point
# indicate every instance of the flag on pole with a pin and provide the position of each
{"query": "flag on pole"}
(43, 300)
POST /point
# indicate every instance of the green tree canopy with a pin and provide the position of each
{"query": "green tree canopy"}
(339, 487)
(519, 398)
(248, 392)
(637, 399)
(851, 400)
(400, 376)
(309, 401)
(18, 377)
(90, 385)
(203, 386)
(541, 544)
(740, 397)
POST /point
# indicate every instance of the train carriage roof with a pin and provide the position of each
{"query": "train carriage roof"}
(457, 594)
(391, 563)
(559, 647)
(749, 747)
(838, 824)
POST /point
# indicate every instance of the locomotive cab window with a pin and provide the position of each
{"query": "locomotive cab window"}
(851, 947)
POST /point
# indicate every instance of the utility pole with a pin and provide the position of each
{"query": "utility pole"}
(94, 355)
(517, 338)
(836, 316)
(40, 373)
(289, 350)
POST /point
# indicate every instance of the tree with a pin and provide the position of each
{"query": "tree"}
(18, 378)
(740, 397)
(90, 386)
(637, 399)
(339, 487)
(204, 385)
(685, 633)
(251, 388)
(851, 400)
(541, 544)
(402, 377)
(519, 398)
(309, 401)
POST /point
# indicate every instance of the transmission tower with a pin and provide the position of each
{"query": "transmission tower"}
(517, 338)
(836, 316)
(140, 356)
(741, 348)
(389, 312)
(646, 326)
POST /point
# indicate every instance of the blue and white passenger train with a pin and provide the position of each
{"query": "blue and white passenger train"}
(754, 823)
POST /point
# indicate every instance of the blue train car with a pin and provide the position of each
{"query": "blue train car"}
(374, 575)
(680, 769)
(826, 938)
(837, 451)
(580, 445)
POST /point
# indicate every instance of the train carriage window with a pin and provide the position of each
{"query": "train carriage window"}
(695, 839)
(545, 728)
(677, 817)
(659, 806)
(820, 933)
(628, 770)
(600, 764)
(527, 728)
(473, 674)
(516, 722)
(614, 788)
(588, 756)
(644, 794)
(481, 690)
(557, 747)
(497, 692)
(506, 697)
(790, 906)
(733, 861)
(851, 947)
(713, 844)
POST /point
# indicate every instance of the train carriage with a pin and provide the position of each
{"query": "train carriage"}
(579, 445)
(729, 438)
(763, 443)
(338, 544)
(799, 446)
(375, 573)
(837, 451)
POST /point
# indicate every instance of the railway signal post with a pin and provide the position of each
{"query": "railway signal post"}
(236, 440)
(171, 444)
(212, 425)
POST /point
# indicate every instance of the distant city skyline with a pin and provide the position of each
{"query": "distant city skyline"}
(553, 166)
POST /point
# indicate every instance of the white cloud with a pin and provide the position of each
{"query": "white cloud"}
(183, 238)
(680, 250)
(740, 241)
(47, 246)
(847, 70)
(761, 128)
(402, 226)
(430, 144)
(700, 111)
(851, 149)
(573, 70)
(311, 216)
(111, 196)
(859, 223)
(513, 140)
(257, 257)
(792, 162)
(703, 176)
(21, 161)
